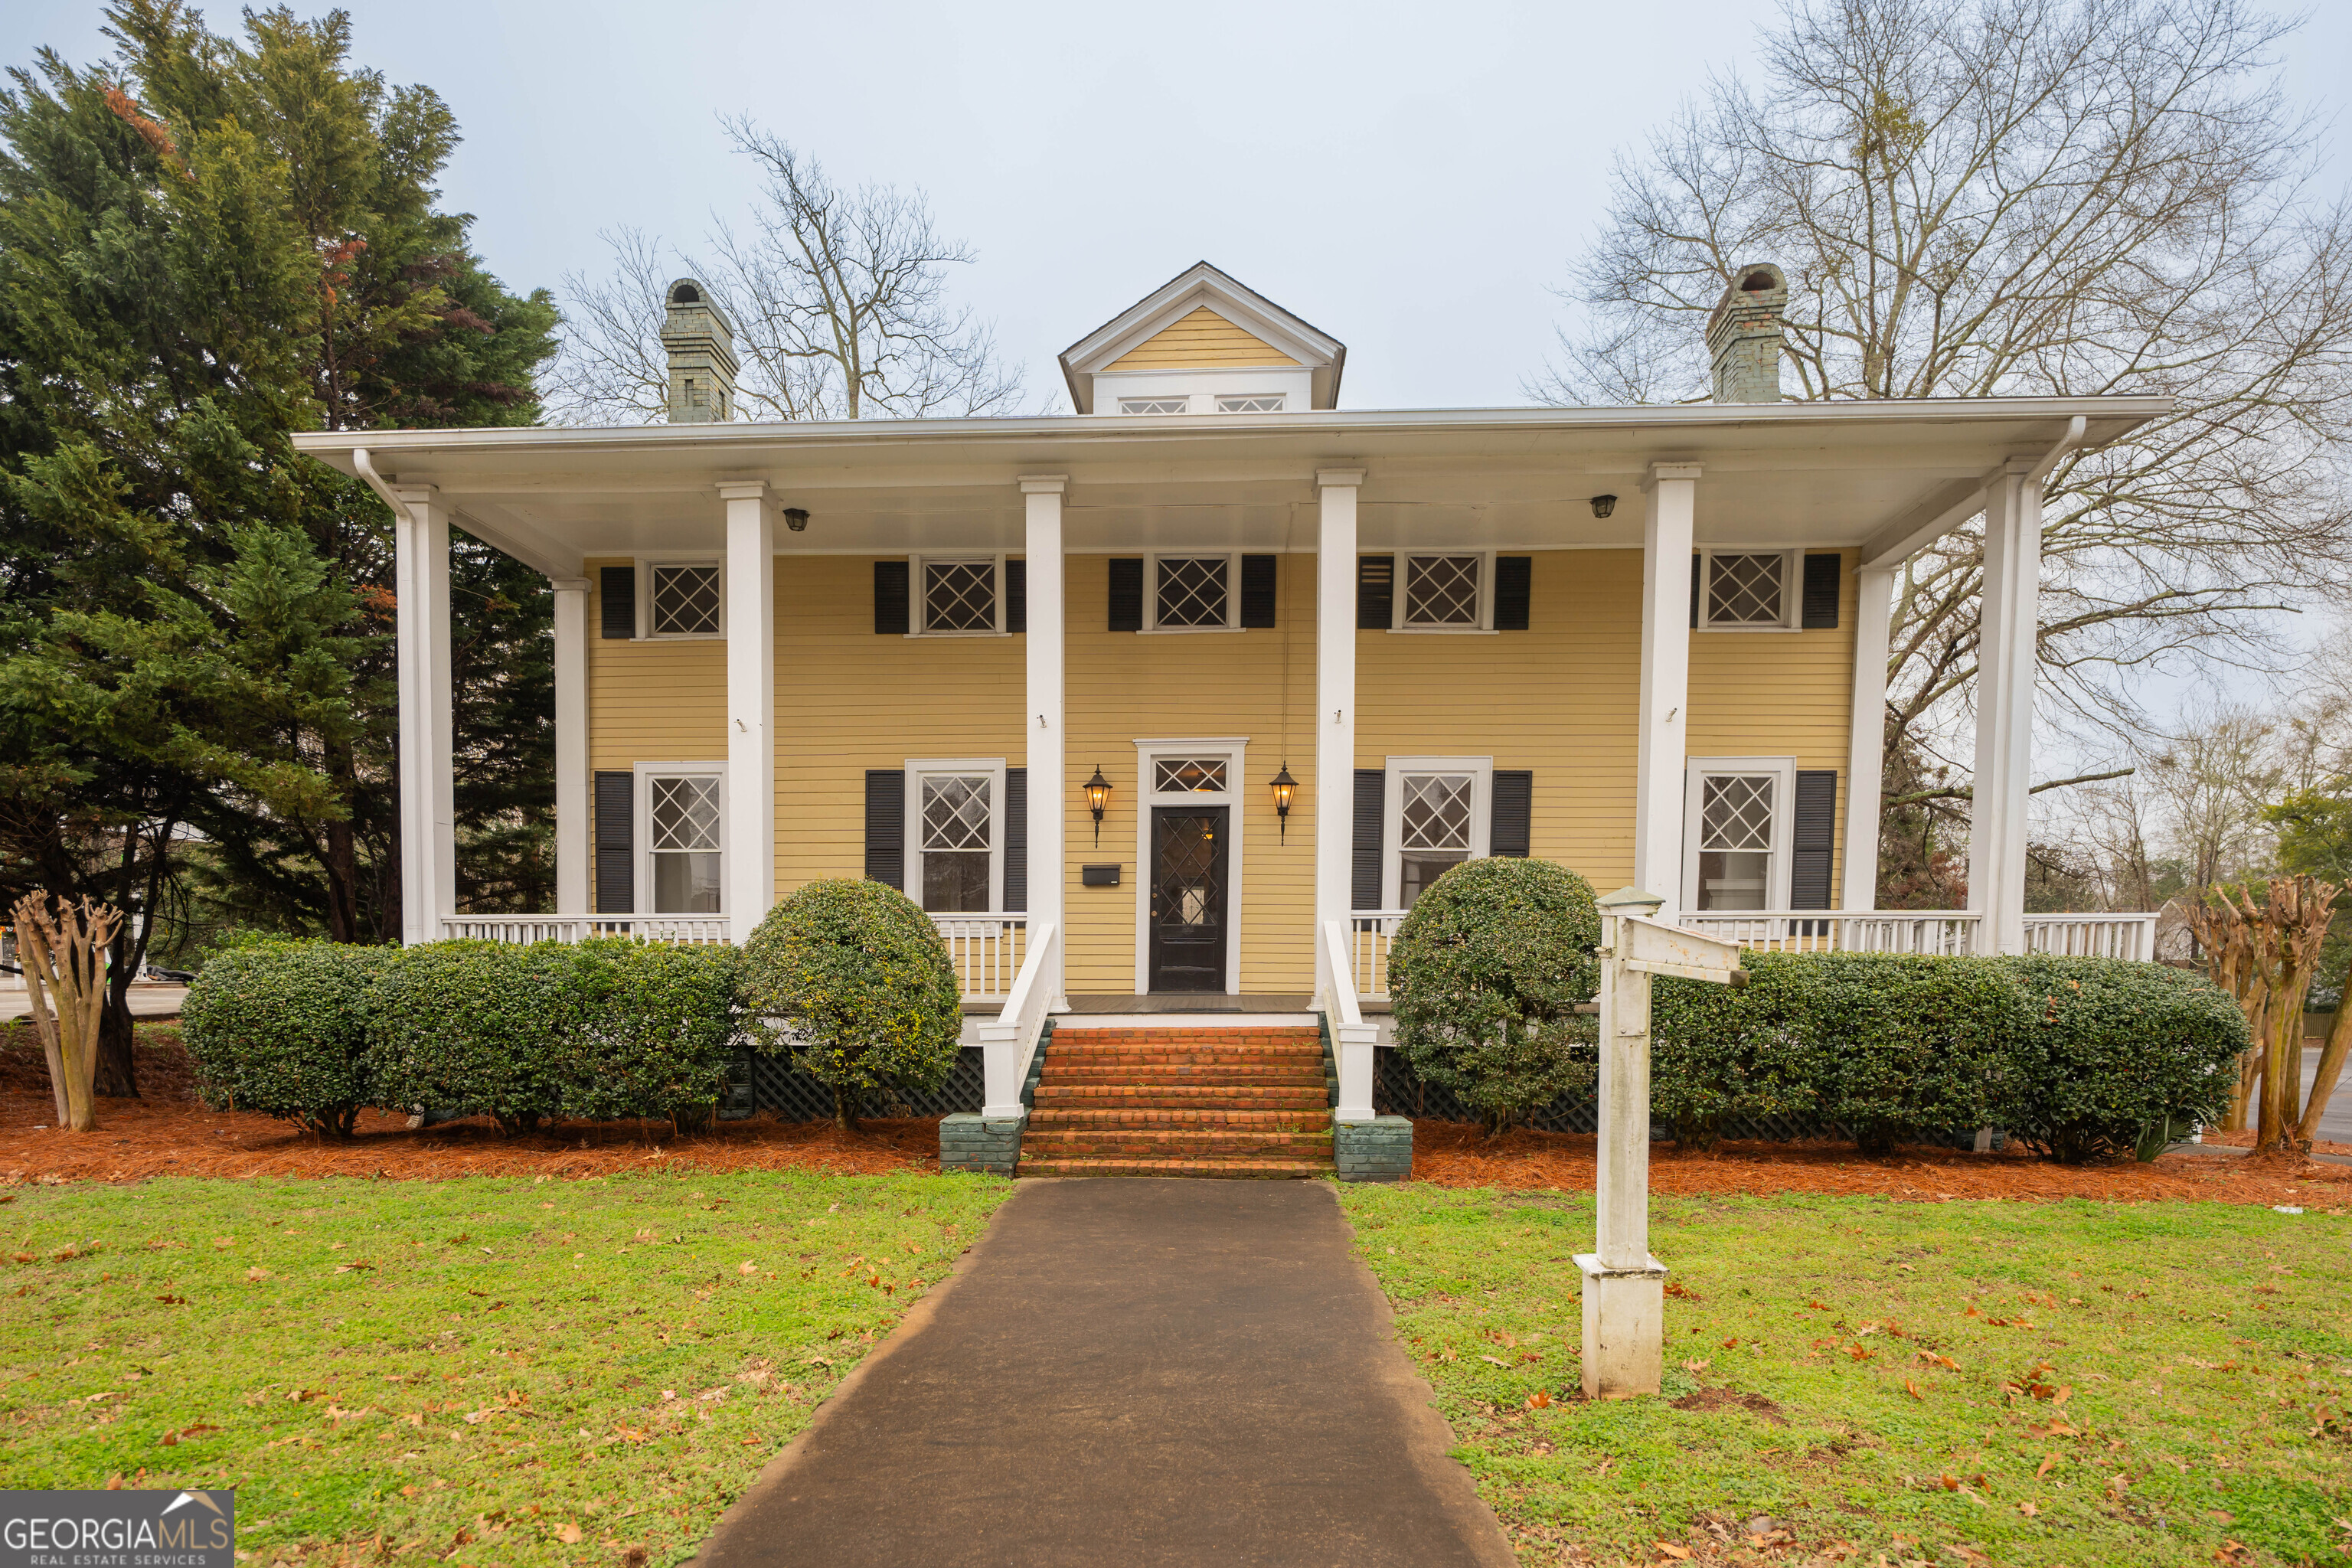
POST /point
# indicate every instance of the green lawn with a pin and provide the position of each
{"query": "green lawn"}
(547, 1372)
(2013, 1383)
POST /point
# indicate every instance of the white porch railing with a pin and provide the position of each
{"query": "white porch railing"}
(1368, 953)
(1352, 1039)
(1009, 1042)
(2091, 936)
(1946, 932)
(688, 930)
(986, 949)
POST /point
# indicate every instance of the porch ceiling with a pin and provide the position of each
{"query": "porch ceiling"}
(1793, 474)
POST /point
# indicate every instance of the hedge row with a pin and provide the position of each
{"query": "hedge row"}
(2078, 1057)
(313, 1031)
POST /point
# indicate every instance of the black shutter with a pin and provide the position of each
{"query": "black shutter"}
(1511, 830)
(1821, 612)
(1698, 575)
(1127, 593)
(617, 832)
(1017, 839)
(1514, 580)
(886, 827)
(617, 585)
(1375, 597)
(1371, 788)
(1257, 590)
(890, 599)
(1016, 595)
(1816, 839)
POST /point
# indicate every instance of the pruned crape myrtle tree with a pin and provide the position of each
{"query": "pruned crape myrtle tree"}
(2005, 197)
(838, 297)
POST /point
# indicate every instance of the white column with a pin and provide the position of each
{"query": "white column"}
(1047, 743)
(2005, 671)
(571, 745)
(1665, 715)
(428, 813)
(1874, 606)
(1335, 705)
(750, 875)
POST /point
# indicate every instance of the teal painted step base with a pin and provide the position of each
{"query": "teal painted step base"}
(1379, 1150)
(969, 1142)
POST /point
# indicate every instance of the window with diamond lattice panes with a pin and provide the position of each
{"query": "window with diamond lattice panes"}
(1441, 590)
(959, 595)
(1433, 821)
(1189, 775)
(1734, 842)
(683, 815)
(1153, 404)
(686, 601)
(1747, 590)
(1191, 591)
(956, 827)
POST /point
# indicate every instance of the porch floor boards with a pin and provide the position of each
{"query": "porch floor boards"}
(1180, 1101)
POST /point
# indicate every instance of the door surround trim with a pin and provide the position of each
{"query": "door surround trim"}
(1234, 796)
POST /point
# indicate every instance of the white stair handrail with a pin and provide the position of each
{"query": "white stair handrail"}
(1009, 1041)
(1352, 1039)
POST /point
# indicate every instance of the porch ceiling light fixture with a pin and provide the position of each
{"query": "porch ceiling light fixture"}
(1603, 505)
(796, 518)
(1285, 786)
(1097, 790)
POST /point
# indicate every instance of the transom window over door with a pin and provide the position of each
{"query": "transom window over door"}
(1191, 591)
(1189, 774)
(682, 818)
(685, 601)
(958, 821)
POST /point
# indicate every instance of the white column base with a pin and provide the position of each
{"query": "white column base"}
(1624, 1328)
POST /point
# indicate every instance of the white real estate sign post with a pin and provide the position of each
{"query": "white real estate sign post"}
(1625, 1287)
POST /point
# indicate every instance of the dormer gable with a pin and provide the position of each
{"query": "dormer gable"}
(1202, 343)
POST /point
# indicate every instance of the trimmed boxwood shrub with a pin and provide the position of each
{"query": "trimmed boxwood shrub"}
(280, 1027)
(477, 1026)
(852, 978)
(2112, 1055)
(655, 1028)
(1485, 978)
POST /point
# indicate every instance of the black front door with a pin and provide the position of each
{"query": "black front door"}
(1188, 898)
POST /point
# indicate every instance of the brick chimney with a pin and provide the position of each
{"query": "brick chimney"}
(1744, 339)
(701, 356)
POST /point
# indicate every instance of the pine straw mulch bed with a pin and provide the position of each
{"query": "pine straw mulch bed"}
(1457, 1154)
(168, 1131)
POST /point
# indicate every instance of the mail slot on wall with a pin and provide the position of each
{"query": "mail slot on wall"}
(1098, 875)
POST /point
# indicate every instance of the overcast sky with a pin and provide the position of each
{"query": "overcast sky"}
(1411, 179)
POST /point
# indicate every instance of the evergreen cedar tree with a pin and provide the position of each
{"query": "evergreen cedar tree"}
(860, 990)
(206, 244)
(1485, 978)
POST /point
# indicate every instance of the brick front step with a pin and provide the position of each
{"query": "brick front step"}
(1188, 1142)
(1315, 1118)
(1182, 1036)
(1261, 1170)
(1146, 1055)
(1283, 1074)
(1185, 1097)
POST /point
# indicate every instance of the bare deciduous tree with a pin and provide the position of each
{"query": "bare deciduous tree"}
(2026, 196)
(838, 297)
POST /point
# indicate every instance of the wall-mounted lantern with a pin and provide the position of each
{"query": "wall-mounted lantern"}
(1097, 790)
(1285, 786)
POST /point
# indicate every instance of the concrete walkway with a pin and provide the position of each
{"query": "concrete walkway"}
(1135, 1372)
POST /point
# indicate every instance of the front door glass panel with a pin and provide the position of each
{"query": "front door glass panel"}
(1187, 911)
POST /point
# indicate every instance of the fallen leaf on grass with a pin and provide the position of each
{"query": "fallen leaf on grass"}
(568, 1533)
(1679, 1553)
(256, 1272)
(1932, 1359)
(2028, 1510)
(747, 1268)
(1912, 1389)
(2044, 1468)
(1695, 1367)
(1539, 1400)
(1496, 1359)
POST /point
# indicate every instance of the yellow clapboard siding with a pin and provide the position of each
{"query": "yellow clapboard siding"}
(1559, 699)
(1199, 341)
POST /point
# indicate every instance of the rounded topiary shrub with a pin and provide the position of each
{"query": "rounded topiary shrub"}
(280, 1027)
(1485, 978)
(854, 981)
(477, 1026)
(656, 1029)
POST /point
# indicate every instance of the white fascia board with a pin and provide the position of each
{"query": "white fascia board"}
(1923, 524)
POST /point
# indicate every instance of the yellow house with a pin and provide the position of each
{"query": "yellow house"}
(1178, 700)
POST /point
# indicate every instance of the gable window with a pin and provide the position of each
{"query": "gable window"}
(1251, 403)
(1438, 814)
(956, 809)
(1746, 590)
(1191, 592)
(1154, 404)
(960, 596)
(685, 601)
(682, 843)
(1737, 812)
